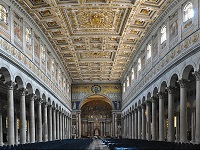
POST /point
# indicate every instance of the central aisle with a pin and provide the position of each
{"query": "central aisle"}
(97, 144)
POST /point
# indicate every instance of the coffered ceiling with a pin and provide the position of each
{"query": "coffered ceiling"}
(95, 39)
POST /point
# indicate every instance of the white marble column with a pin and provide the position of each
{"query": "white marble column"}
(39, 121)
(22, 127)
(28, 133)
(45, 138)
(113, 124)
(58, 125)
(10, 113)
(170, 114)
(67, 127)
(79, 124)
(32, 118)
(161, 116)
(148, 122)
(183, 111)
(61, 125)
(139, 122)
(143, 122)
(16, 128)
(153, 99)
(197, 131)
(177, 127)
(101, 128)
(193, 125)
(1, 128)
(50, 122)
(54, 124)
(124, 126)
(132, 125)
(104, 130)
(129, 126)
(136, 124)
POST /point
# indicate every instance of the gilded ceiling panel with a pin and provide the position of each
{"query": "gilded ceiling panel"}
(95, 39)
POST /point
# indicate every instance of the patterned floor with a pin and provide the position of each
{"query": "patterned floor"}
(97, 144)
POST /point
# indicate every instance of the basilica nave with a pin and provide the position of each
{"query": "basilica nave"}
(109, 69)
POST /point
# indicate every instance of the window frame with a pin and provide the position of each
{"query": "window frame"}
(188, 7)
(163, 33)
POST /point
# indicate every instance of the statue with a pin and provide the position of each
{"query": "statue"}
(74, 105)
(74, 129)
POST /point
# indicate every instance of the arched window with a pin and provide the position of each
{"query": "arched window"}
(149, 51)
(132, 74)
(163, 34)
(139, 64)
(3, 14)
(28, 35)
(188, 12)
(127, 80)
(43, 53)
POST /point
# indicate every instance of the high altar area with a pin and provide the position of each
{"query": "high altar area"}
(96, 110)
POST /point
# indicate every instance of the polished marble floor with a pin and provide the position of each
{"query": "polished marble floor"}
(97, 144)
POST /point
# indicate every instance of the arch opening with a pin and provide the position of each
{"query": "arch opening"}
(96, 116)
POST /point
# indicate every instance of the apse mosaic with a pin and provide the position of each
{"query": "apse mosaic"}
(110, 91)
(96, 109)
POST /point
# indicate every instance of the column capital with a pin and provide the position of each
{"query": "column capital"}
(23, 91)
(142, 106)
(39, 100)
(183, 83)
(161, 95)
(45, 104)
(147, 102)
(153, 99)
(171, 89)
(10, 84)
(197, 75)
(32, 96)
